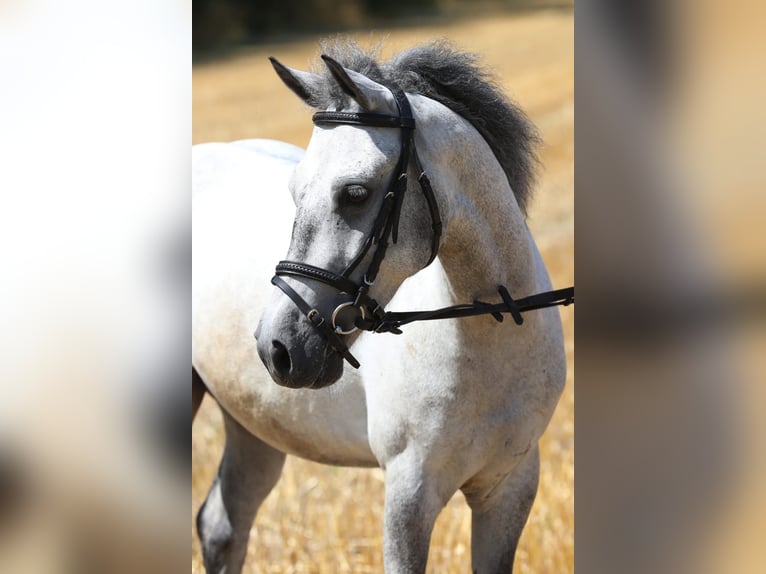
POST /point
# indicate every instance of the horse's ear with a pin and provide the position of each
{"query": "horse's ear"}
(305, 85)
(370, 95)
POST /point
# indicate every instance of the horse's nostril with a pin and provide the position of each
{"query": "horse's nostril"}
(280, 358)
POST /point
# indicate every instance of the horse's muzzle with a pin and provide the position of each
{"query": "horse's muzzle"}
(300, 367)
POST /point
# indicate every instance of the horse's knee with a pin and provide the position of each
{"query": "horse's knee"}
(511, 489)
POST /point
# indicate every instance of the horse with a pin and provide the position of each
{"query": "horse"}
(440, 406)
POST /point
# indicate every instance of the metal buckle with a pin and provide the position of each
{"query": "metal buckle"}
(338, 329)
(311, 315)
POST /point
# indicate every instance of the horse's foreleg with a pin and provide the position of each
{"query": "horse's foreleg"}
(499, 513)
(249, 470)
(412, 503)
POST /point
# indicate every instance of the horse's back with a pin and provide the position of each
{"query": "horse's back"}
(242, 164)
(242, 214)
(260, 149)
(273, 149)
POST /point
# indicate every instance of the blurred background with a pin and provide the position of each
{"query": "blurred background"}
(671, 276)
(226, 24)
(326, 519)
(95, 109)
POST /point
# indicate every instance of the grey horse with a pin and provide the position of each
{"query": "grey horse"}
(458, 404)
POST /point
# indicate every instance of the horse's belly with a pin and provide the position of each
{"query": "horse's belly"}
(312, 447)
(327, 426)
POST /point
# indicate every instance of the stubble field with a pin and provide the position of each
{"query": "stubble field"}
(326, 519)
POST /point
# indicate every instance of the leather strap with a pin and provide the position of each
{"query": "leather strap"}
(316, 319)
(391, 322)
(296, 269)
(366, 119)
(433, 207)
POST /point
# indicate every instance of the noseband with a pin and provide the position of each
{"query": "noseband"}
(362, 311)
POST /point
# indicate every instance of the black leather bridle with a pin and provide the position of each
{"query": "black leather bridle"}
(363, 311)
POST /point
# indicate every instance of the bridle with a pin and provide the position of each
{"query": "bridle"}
(363, 311)
(369, 312)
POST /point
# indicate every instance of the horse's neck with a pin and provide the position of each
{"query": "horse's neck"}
(483, 251)
(486, 240)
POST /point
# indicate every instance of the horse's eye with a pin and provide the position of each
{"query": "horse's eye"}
(355, 193)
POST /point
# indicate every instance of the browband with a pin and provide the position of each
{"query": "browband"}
(366, 119)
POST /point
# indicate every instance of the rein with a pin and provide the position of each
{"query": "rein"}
(362, 311)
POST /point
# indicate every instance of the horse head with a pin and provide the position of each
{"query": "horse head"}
(357, 235)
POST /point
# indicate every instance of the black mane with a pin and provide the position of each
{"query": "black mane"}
(439, 71)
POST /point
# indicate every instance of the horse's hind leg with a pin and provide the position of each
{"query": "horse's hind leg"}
(249, 470)
(499, 513)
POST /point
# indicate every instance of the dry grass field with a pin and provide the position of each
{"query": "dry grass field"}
(329, 520)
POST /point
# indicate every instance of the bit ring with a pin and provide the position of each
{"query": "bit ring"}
(338, 329)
